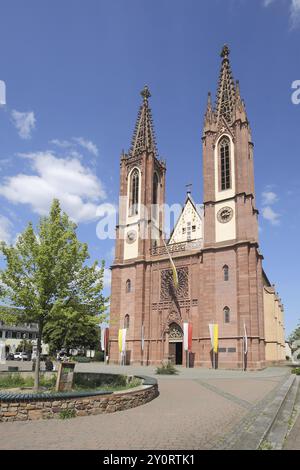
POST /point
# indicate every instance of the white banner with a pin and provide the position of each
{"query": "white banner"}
(102, 340)
(211, 333)
(186, 336)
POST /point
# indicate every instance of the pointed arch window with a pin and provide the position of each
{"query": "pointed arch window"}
(226, 312)
(226, 272)
(134, 192)
(126, 321)
(224, 149)
(128, 285)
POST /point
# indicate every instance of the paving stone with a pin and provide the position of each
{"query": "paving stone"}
(186, 414)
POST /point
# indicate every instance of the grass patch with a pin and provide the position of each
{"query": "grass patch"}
(67, 414)
(49, 382)
(135, 382)
(265, 445)
(167, 369)
(16, 381)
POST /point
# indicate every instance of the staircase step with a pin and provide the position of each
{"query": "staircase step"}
(280, 427)
(253, 437)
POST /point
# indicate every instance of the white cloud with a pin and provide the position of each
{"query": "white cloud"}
(269, 214)
(107, 278)
(24, 123)
(294, 11)
(75, 185)
(84, 143)
(5, 229)
(61, 143)
(269, 198)
(88, 145)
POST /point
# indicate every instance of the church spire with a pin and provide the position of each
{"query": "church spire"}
(226, 89)
(143, 136)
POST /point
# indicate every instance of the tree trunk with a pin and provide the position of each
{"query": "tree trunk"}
(38, 359)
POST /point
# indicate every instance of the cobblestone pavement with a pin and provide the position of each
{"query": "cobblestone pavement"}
(193, 411)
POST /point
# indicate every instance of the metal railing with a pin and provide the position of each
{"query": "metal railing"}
(177, 247)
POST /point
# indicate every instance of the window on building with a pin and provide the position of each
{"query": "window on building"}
(194, 228)
(134, 192)
(189, 231)
(128, 285)
(225, 163)
(183, 230)
(226, 314)
(226, 272)
(126, 322)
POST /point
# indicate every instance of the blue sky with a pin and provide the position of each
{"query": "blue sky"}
(73, 72)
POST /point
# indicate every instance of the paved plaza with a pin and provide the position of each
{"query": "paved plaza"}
(194, 410)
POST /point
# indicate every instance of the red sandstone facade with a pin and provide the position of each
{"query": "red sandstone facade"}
(142, 292)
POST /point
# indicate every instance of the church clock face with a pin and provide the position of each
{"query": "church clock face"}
(131, 236)
(225, 214)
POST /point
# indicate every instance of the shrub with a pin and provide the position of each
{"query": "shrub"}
(48, 365)
(67, 414)
(81, 359)
(48, 382)
(99, 356)
(296, 371)
(167, 369)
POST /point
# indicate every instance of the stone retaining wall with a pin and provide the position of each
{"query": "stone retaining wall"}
(89, 405)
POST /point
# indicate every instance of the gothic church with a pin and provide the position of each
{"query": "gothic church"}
(214, 247)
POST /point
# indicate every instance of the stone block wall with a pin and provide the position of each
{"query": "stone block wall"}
(91, 405)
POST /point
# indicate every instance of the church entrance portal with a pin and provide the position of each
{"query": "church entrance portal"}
(175, 344)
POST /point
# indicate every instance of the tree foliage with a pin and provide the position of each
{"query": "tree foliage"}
(25, 345)
(295, 335)
(47, 281)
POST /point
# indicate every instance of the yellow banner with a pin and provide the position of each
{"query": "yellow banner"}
(120, 340)
(216, 337)
(174, 270)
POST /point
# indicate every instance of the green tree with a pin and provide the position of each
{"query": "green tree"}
(72, 328)
(47, 281)
(295, 335)
(25, 346)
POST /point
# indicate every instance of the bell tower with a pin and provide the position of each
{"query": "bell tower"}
(229, 198)
(142, 190)
(231, 258)
(139, 228)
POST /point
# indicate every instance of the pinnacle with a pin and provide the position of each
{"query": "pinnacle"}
(143, 136)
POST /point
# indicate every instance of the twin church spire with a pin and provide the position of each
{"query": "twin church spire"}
(229, 106)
